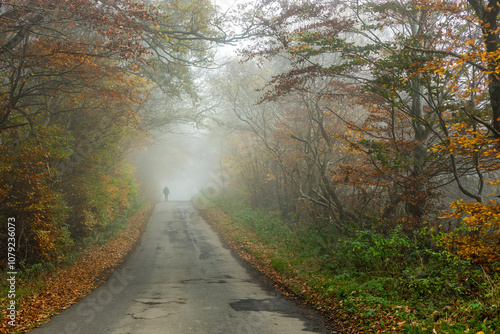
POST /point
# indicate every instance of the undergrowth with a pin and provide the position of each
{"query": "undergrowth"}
(391, 282)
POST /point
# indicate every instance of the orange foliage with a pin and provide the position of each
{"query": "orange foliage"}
(478, 235)
(65, 286)
(479, 238)
(68, 100)
(29, 195)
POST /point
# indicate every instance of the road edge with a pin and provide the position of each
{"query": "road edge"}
(260, 271)
(129, 239)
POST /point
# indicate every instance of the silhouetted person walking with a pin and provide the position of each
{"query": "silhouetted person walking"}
(166, 192)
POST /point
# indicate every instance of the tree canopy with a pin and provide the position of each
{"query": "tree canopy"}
(379, 111)
(82, 84)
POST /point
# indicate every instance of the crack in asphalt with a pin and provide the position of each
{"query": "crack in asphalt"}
(152, 314)
(157, 301)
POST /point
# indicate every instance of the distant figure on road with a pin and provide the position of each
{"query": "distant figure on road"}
(166, 192)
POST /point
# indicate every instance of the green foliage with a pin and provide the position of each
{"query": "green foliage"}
(441, 275)
(371, 275)
(270, 227)
(387, 156)
(113, 227)
(279, 264)
(34, 271)
(370, 252)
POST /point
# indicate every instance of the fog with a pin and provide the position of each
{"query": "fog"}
(181, 160)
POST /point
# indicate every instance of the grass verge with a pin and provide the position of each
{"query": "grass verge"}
(367, 282)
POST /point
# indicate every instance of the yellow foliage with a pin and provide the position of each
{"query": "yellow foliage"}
(478, 239)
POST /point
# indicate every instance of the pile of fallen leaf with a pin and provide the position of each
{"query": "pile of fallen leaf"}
(65, 286)
(259, 256)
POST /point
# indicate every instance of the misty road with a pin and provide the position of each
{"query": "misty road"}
(181, 279)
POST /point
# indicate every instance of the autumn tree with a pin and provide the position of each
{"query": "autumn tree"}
(458, 67)
(486, 15)
(76, 78)
(296, 143)
(250, 156)
(372, 52)
(425, 74)
(472, 132)
(317, 46)
(58, 59)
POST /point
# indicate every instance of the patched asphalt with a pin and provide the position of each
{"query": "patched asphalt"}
(182, 279)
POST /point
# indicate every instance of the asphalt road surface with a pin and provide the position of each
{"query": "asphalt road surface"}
(182, 279)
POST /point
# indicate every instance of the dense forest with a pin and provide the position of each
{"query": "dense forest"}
(83, 84)
(375, 121)
(375, 115)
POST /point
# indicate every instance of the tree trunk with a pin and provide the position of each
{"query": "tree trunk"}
(489, 26)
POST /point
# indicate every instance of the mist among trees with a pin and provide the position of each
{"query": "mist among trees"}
(341, 117)
(373, 115)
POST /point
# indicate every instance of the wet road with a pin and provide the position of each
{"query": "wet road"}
(181, 279)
